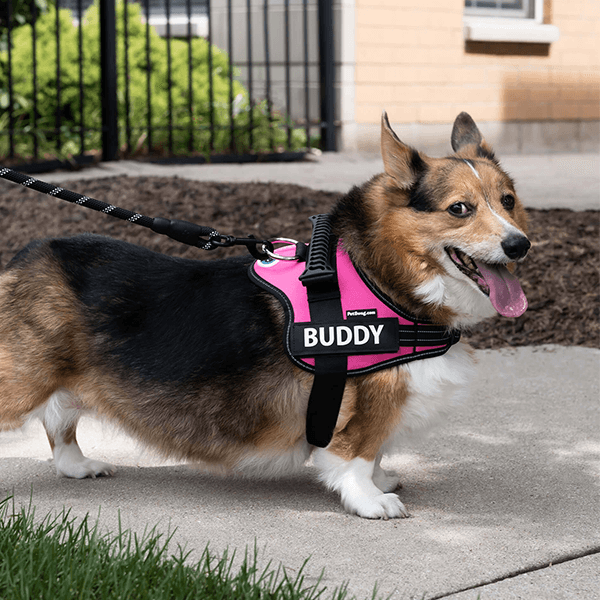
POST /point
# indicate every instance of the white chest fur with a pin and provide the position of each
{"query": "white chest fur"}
(436, 385)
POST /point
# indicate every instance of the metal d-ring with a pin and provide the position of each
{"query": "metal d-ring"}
(272, 254)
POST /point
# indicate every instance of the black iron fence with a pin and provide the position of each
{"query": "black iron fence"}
(165, 79)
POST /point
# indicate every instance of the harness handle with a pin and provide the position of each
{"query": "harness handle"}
(180, 231)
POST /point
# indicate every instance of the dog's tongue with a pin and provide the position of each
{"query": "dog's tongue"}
(506, 294)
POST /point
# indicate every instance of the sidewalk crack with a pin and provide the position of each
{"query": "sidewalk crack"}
(523, 571)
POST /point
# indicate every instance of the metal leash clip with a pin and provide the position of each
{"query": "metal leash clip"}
(300, 253)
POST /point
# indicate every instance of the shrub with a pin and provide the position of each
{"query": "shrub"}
(268, 132)
(22, 11)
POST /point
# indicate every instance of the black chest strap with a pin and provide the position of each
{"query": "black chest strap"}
(325, 305)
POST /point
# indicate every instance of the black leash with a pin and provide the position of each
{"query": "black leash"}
(185, 232)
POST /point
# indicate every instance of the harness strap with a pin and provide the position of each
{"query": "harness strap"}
(325, 306)
(331, 371)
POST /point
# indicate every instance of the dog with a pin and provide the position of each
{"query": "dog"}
(187, 356)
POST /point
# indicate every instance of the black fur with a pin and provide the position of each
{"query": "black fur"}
(483, 153)
(420, 197)
(350, 212)
(165, 319)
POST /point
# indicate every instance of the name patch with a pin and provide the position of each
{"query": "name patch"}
(355, 336)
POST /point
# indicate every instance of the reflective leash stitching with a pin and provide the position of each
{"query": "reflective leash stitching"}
(181, 231)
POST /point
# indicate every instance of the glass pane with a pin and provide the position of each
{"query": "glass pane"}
(499, 8)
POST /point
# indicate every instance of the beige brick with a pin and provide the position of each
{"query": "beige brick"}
(589, 110)
(413, 94)
(568, 8)
(589, 91)
(370, 74)
(533, 111)
(420, 18)
(368, 113)
(527, 111)
(437, 113)
(510, 112)
(392, 3)
(366, 93)
(564, 110)
(376, 16)
(484, 93)
(402, 113)
(486, 112)
(371, 55)
(411, 58)
(536, 77)
(576, 58)
(576, 26)
(432, 74)
(469, 74)
(447, 6)
(442, 56)
(450, 38)
(402, 74)
(411, 38)
(398, 113)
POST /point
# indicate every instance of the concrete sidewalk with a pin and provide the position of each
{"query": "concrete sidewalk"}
(505, 489)
(504, 497)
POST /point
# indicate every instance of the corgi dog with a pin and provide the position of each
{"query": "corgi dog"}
(188, 356)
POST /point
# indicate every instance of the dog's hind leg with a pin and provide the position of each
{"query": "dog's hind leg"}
(60, 416)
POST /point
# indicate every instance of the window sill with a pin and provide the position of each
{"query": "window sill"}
(490, 29)
(179, 25)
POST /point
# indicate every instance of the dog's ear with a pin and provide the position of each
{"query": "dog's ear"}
(466, 133)
(401, 162)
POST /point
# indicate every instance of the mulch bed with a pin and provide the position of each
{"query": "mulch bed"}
(560, 277)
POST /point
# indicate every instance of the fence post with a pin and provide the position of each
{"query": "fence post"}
(108, 67)
(327, 75)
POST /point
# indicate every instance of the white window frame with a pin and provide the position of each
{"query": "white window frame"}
(481, 25)
(526, 13)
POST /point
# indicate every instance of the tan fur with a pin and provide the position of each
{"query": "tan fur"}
(376, 412)
(40, 339)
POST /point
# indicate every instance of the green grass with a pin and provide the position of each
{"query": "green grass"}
(61, 557)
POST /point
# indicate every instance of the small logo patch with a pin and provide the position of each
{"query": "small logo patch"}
(270, 262)
(363, 312)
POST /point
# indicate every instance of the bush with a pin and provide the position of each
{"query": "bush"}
(267, 132)
(22, 11)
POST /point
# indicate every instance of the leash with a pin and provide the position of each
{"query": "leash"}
(185, 232)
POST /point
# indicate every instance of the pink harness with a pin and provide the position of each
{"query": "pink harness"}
(339, 324)
(375, 334)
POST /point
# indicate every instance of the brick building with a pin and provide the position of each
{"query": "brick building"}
(528, 72)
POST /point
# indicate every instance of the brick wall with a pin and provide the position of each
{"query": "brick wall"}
(412, 60)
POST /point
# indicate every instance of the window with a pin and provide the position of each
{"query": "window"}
(490, 8)
(158, 17)
(507, 21)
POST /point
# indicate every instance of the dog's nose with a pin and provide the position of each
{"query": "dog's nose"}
(516, 246)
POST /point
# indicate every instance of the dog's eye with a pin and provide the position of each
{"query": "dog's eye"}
(459, 209)
(508, 201)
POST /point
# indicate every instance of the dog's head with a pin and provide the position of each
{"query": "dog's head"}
(444, 234)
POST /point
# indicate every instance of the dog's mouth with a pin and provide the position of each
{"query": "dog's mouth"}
(494, 280)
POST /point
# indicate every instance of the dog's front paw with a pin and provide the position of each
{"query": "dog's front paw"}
(383, 506)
